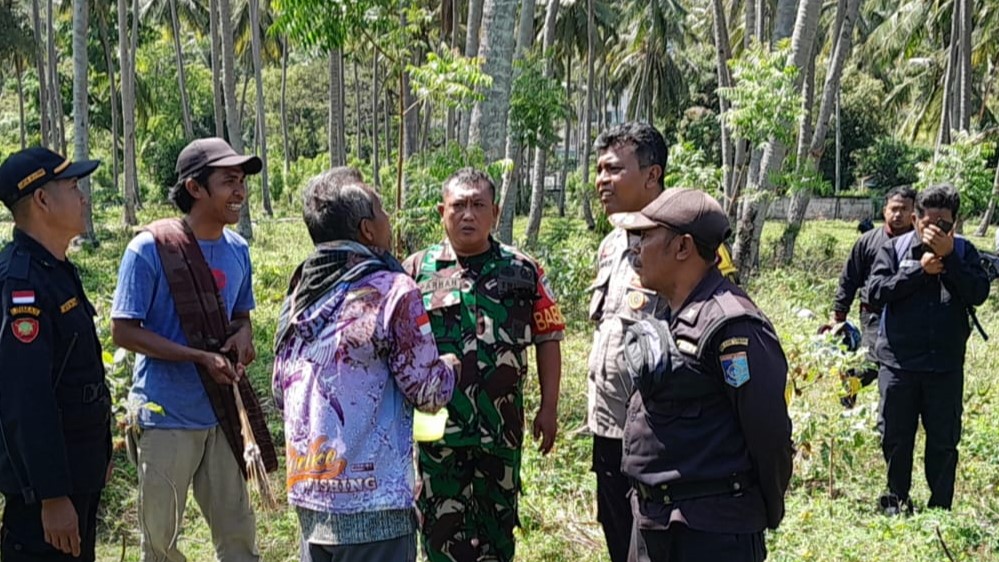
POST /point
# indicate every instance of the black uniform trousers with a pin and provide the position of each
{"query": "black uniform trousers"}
(23, 539)
(907, 396)
(680, 543)
(613, 505)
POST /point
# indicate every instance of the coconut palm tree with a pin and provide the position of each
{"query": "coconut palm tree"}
(16, 49)
(81, 118)
(488, 120)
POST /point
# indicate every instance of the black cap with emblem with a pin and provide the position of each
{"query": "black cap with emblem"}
(24, 172)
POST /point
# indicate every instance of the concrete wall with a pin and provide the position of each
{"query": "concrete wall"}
(843, 208)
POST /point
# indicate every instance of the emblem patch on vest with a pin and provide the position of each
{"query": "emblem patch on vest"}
(25, 329)
(736, 369)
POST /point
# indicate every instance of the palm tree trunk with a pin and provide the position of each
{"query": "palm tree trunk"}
(830, 91)
(233, 122)
(991, 209)
(44, 106)
(947, 110)
(19, 68)
(723, 52)
(284, 114)
(335, 133)
(514, 151)
(128, 116)
(563, 180)
(750, 30)
(964, 92)
(185, 105)
(374, 121)
(357, 110)
(54, 87)
(112, 91)
(471, 50)
(258, 73)
(591, 40)
(81, 125)
(218, 98)
(537, 202)
(754, 211)
(488, 119)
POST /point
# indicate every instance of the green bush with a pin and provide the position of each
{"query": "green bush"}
(890, 162)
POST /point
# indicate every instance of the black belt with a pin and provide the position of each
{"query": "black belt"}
(84, 394)
(672, 492)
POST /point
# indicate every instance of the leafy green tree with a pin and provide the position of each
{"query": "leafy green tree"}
(964, 164)
(889, 162)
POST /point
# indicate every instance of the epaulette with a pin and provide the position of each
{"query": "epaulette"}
(14, 264)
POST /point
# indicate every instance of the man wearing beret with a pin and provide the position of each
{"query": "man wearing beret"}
(55, 434)
(707, 441)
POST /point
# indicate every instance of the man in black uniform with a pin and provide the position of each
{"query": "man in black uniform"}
(898, 221)
(55, 433)
(707, 440)
(926, 282)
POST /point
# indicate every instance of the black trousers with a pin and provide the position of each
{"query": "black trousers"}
(613, 504)
(401, 549)
(680, 543)
(936, 398)
(23, 539)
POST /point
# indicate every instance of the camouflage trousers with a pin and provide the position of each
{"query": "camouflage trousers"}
(468, 502)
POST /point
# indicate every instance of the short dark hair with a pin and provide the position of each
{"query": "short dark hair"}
(181, 197)
(650, 146)
(334, 205)
(470, 176)
(939, 196)
(345, 174)
(903, 191)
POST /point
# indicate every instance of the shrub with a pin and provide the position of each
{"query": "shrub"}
(890, 162)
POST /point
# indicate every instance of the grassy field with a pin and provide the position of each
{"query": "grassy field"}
(838, 474)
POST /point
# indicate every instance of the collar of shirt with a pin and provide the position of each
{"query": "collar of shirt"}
(37, 251)
(705, 288)
(448, 255)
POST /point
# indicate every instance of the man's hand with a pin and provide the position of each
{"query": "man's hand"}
(545, 428)
(932, 264)
(454, 362)
(61, 526)
(838, 317)
(940, 242)
(242, 342)
(219, 368)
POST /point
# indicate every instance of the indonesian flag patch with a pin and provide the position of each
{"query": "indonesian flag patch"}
(25, 329)
(22, 297)
(424, 323)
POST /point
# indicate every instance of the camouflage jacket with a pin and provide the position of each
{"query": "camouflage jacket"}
(486, 310)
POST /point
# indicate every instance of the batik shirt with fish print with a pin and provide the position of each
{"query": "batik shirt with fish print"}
(347, 378)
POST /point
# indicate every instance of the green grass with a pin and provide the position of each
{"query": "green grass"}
(831, 513)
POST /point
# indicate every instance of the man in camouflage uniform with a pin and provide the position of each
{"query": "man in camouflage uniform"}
(630, 162)
(487, 303)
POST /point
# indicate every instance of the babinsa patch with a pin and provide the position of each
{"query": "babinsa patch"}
(736, 369)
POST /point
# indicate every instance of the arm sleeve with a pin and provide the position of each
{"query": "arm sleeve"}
(965, 276)
(889, 282)
(760, 406)
(547, 324)
(426, 381)
(851, 279)
(29, 414)
(137, 283)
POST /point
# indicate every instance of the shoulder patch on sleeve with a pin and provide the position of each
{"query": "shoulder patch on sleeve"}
(735, 367)
(733, 342)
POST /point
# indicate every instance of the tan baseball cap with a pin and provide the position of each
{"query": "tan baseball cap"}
(687, 211)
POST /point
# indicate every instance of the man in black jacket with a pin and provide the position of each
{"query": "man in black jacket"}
(898, 221)
(926, 282)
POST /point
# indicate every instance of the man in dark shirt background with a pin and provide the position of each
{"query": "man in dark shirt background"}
(897, 213)
(926, 282)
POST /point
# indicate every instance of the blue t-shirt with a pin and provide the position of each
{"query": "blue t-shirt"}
(144, 294)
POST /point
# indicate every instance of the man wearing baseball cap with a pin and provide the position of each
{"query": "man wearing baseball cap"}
(707, 441)
(55, 433)
(178, 440)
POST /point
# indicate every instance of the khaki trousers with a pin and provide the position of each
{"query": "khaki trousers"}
(169, 461)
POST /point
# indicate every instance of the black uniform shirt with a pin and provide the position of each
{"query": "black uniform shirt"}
(858, 268)
(55, 437)
(925, 326)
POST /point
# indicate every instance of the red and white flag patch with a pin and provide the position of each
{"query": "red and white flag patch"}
(22, 297)
(424, 323)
